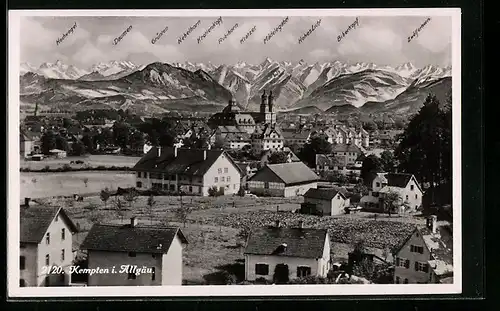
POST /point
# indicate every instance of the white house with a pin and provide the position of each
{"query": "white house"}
(324, 202)
(268, 137)
(134, 254)
(284, 179)
(426, 256)
(405, 185)
(46, 237)
(279, 254)
(192, 171)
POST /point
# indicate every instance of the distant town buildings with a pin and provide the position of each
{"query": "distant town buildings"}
(46, 238)
(139, 255)
(191, 171)
(279, 254)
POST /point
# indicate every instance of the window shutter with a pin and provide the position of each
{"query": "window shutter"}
(407, 264)
(421, 250)
(397, 261)
(426, 267)
(416, 265)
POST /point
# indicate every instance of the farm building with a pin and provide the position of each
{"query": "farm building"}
(58, 153)
(324, 202)
(192, 171)
(283, 180)
(130, 247)
(279, 254)
(46, 236)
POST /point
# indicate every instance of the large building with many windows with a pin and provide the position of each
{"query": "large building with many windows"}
(190, 171)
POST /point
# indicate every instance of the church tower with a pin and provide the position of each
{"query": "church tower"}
(263, 103)
(270, 115)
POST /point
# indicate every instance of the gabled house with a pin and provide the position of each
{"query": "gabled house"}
(283, 180)
(426, 256)
(405, 185)
(324, 202)
(134, 254)
(347, 154)
(279, 254)
(191, 171)
(26, 144)
(46, 237)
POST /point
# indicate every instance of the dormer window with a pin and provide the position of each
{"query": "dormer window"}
(412, 187)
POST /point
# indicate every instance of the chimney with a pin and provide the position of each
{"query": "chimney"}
(277, 223)
(301, 224)
(133, 222)
(159, 151)
(175, 151)
(433, 223)
(204, 154)
(27, 202)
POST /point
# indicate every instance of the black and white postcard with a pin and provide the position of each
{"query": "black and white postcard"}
(234, 152)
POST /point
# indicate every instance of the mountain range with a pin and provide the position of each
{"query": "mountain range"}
(331, 87)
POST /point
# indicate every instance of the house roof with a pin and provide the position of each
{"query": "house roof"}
(291, 173)
(400, 180)
(323, 194)
(295, 134)
(303, 243)
(124, 238)
(346, 148)
(187, 161)
(35, 221)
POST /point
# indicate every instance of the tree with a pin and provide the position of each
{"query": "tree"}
(391, 201)
(88, 142)
(376, 273)
(425, 148)
(105, 195)
(61, 143)
(278, 157)
(131, 196)
(360, 190)
(77, 148)
(317, 145)
(151, 203)
(388, 161)
(182, 214)
(85, 181)
(119, 207)
(136, 141)
(48, 142)
(371, 165)
(121, 134)
(370, 126)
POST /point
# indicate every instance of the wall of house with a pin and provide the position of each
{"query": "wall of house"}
(298, 190)
(272, 261)
(218, 170)
(323, 205)
(405, 253)
(108, 260)
(324, 263)
(29, 274)
(26, 147)
(54, 249)
(414, 197)
(172, 264)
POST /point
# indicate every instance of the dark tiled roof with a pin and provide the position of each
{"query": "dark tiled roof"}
(398, 179)
(324, 194)
(124, 238)
(36, 220)
(293, 172)
(187, 162)
(304, 243)
(346, 148)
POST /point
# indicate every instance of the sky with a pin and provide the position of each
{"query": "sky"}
(382, 40)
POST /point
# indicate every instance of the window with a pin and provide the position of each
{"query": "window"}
(138, 184)
(421, 266)
(47, 238)
(153, 274)
(228, 179)
(226, 170)
(266, 185)
(417, 249)
(398, 280)
(190, 188)
(132, 254)
(222, 179)
(62, 255)
(261, 269)
(216, 179)
(132, 276)
(402, 262)
(406, 197)
(416, 196)
(22, 283)
(47, 259)
(412, 187)
(375, 194)
(406, 281)
(63, 234)
(22, 262)
(219, 170)
(139, 174)
(377, 184)
(303, 271)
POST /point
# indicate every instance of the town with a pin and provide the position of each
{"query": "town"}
(235, 197)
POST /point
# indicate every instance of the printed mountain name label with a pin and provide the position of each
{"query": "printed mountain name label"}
(216, 23)
(416, 31)
(248, 34)
(159, 35)
(310, 31)
(351, 27)
(230, 31)
(188, 32)
(117, 40)
(70, 31)
(278, 28)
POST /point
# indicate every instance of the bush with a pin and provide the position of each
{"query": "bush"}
(66, 168)
(241, 192)
(262, 281)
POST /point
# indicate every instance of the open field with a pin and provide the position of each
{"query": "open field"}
(90, 160)
(40, 185)
(215, 250)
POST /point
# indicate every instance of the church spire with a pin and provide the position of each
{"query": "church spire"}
(263, 103)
